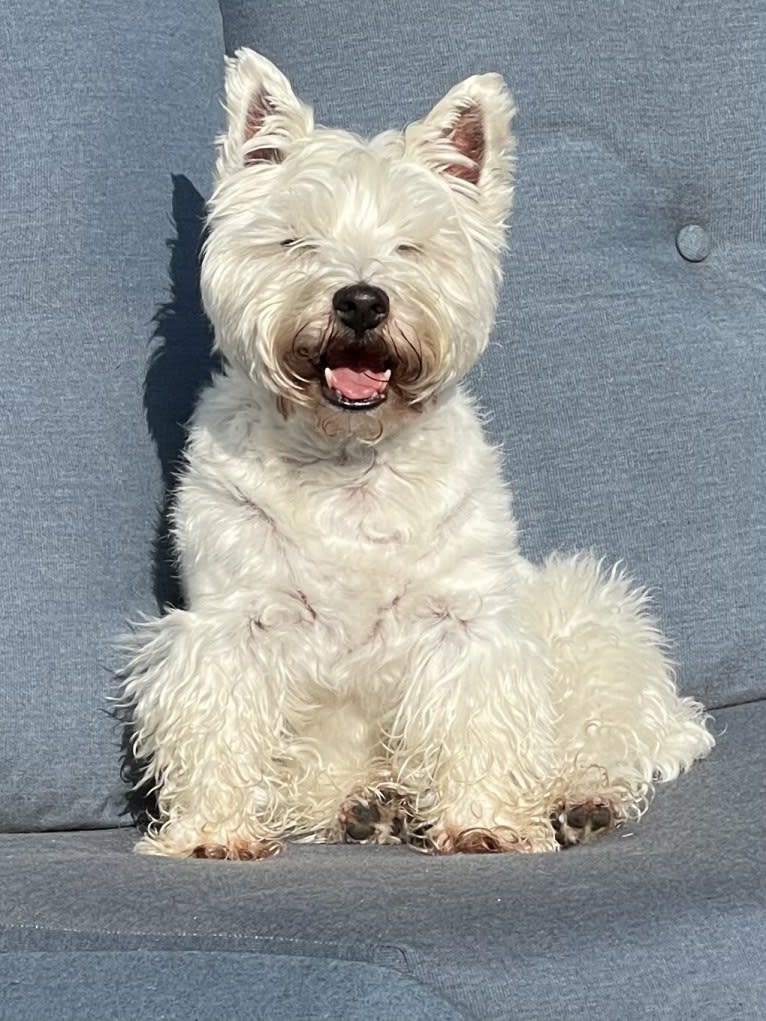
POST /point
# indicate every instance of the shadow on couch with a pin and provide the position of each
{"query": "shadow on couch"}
(180, 364)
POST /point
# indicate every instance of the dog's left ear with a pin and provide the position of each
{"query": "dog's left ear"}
(467, 136)
(263, 114)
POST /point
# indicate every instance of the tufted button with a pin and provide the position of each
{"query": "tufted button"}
(693, 242)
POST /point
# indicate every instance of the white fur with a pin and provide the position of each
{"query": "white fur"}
(358, 609)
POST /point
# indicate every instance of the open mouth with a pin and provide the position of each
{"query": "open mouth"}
(357, 387)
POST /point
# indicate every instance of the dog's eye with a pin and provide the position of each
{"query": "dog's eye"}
(409, 249)
(305, 246)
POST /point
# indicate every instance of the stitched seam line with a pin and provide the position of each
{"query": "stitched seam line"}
(391, 948)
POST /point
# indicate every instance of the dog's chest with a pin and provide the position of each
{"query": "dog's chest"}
(360, 546)
(359, 529)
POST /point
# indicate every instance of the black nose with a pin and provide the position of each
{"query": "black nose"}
(360, 306)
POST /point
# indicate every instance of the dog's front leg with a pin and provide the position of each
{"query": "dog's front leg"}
(204, 688)
(474, 735)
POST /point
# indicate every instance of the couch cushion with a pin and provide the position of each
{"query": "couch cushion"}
(664, 920)
(624, 379)
(107, 114)
(176, 986)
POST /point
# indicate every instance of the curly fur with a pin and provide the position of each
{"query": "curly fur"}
(358, 612)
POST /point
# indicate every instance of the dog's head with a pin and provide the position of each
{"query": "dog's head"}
(355, 278)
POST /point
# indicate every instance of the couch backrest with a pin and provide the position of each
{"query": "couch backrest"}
(107, 114)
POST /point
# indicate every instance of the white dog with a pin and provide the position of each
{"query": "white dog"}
(365, 654)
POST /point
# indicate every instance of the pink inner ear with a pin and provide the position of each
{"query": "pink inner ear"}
(259, 109)
(467, 136)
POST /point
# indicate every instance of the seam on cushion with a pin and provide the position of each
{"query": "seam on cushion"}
(753, 700)
(393, 950)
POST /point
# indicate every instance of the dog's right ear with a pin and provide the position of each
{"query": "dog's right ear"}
(263, 114)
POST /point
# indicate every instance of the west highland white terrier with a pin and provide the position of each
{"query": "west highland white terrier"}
(364, 654)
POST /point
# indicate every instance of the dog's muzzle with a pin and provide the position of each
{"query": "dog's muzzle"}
(356, 364)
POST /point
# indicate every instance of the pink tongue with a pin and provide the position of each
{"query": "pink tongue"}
(357, 385)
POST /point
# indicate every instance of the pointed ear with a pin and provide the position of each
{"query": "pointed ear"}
(467, 136)
(263, 114)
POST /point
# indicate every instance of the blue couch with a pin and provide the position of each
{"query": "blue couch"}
(625, 382)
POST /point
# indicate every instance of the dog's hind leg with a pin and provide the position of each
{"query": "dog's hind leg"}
(621, 724)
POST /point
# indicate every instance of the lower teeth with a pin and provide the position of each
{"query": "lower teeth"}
(354, 400)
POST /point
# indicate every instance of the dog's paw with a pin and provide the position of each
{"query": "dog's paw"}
(238, 850)
(360, 820)
(582, 823)
(193, 839)
(379, 817)
(479, 840)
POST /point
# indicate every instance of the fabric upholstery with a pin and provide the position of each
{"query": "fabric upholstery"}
(107, 119)
(664, 920)
(178, 985)
(625, 378)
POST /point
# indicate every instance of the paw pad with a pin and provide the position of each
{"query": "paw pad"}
(381, 817)
(583, 822)
(359, 820)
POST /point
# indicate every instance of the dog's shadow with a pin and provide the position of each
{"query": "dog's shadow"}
(180, 364)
